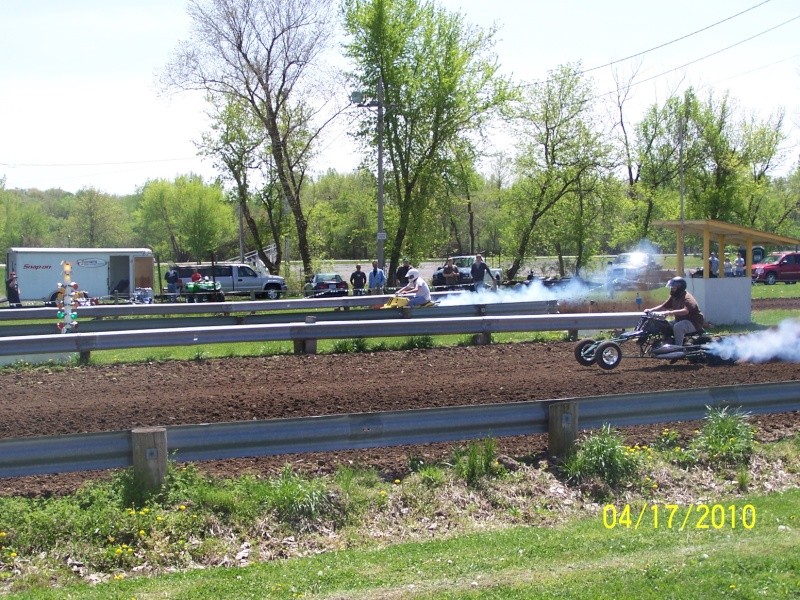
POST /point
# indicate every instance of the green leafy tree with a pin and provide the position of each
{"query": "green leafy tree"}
(97, 220)
(560, 152)
(185, 219)
(441, 85)
(342, 208)
(238, 144)
(715, 184)
(761, 143)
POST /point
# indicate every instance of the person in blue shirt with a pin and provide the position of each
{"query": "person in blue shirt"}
(376, 279)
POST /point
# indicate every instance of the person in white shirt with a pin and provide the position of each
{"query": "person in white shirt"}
(417, 290)
(739, 265)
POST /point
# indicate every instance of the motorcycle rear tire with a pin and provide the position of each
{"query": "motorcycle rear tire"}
(583, 359)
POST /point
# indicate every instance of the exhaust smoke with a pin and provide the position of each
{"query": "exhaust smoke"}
(779, 343)
(531, 292)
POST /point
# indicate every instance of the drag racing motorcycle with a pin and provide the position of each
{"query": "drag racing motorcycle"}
(652, 337)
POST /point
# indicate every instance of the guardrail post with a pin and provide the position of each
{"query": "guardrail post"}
(150, 456)
(84, 356)
(562, 429)
(306, 346)
(482, 339)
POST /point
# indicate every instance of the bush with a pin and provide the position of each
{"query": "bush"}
(479, 460)
(352, 345)
(422, 342)
(726, 437)
(299, 501)
(603, 455)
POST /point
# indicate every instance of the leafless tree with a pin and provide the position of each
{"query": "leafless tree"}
(267, 53)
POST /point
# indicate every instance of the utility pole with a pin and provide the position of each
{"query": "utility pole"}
(357, 98)
(381, 232)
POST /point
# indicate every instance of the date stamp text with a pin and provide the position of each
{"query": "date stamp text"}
(680, 517)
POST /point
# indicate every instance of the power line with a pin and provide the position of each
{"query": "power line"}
(688, 35)
(691, 62)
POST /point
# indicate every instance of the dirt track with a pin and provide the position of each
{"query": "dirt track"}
(121, 397)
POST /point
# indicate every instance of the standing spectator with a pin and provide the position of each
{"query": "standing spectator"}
(173, 283)
(727, 267)
(713, 265)
(739, 265)
(376, 279)
(358, 279)
(401, 276)
(479, 270)
(451, 274)
(12, 291)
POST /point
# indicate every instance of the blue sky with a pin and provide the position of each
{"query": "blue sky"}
(79, 105)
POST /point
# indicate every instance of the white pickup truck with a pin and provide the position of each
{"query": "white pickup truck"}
(236, 278)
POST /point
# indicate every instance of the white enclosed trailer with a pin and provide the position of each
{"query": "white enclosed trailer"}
(98, 271)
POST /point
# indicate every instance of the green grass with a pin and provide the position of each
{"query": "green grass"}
(582, 559)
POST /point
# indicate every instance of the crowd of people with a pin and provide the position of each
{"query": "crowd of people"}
(408, 280)
(730, 269)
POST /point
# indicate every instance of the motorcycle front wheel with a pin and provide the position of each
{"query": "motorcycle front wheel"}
(608, 355)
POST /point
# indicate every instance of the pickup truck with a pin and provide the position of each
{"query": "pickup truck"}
(236, 278)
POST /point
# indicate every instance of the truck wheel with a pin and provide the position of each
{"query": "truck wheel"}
(273, 292)
(609, 355)
(584, 354)
(771, 278)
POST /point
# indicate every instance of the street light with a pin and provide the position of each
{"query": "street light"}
(357, 98)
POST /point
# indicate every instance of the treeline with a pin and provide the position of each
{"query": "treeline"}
(574, 183)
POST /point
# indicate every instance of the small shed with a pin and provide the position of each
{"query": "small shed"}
(724, 301)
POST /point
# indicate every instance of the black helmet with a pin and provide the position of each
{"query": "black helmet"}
(678, 283)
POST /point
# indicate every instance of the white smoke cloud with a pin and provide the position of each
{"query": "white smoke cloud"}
(779, 343)
(535, 291)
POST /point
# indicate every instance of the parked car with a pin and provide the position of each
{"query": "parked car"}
(326, 284)
(778, 266)
(464, 265)
(236, 277)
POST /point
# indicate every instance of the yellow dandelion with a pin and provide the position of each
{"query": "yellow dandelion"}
(159, 518)
(141, 533)
(118, 551)
(182, 507)
(12, 554)
(397, 482)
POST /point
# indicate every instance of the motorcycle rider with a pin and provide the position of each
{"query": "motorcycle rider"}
(681, 305)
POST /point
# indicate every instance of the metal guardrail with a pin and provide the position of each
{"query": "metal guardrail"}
(83, 452)
(106, 318)
(195, 308)
(300, 332)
